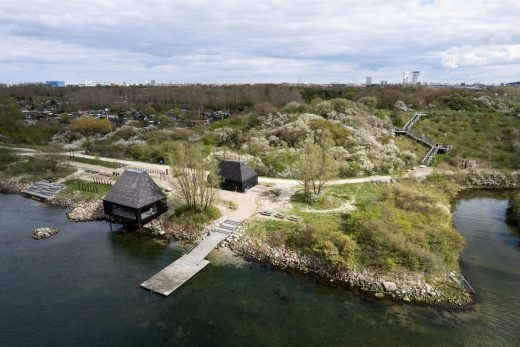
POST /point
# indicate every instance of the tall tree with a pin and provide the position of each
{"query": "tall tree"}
(194, 178)
(316, 167)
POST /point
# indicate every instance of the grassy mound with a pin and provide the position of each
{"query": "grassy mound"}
(405, 226)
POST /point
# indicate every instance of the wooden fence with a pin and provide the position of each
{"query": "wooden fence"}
(87, 187)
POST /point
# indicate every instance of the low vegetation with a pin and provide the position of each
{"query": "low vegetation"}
(90, 126)
(30, 169)
(88, 190)
(325, 201)
(405, 226)
(489, 140)
(193, 222)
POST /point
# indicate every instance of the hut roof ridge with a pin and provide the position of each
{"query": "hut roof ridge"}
(134, 189)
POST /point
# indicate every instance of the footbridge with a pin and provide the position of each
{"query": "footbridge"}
(435, 148)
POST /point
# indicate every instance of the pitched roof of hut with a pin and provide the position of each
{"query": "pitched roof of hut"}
(134, 189)
(235, 171)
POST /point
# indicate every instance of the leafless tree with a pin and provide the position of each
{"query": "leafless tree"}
(195, 179)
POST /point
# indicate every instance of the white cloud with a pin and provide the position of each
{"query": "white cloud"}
(478, 56)
(270, 40)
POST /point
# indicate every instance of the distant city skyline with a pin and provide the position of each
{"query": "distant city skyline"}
(230, 41)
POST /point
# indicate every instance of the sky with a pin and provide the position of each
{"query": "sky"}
(257, 41)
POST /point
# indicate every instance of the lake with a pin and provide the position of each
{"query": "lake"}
(81, 287)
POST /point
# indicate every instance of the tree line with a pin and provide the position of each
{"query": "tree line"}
(162, 98)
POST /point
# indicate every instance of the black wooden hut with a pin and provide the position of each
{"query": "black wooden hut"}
(135, 199)
(237, 176)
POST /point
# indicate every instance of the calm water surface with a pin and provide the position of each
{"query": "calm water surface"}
(81, 287)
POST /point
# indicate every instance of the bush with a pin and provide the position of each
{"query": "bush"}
(91, 126)
(7, 157)
(406, 226)
(296, 107)
(397, 119)
(458, 102)
(369, 101)
(332, 245)
(49, 167)
(194, 219)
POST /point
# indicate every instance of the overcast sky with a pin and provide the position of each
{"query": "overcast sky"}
(227, 41)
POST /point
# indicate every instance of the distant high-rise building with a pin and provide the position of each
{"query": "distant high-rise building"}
(415, 77)
(152, 82)
(405, 77)
(384, 83)
(369, 81)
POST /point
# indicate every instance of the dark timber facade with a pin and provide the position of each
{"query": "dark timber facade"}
(237, 176)
(135, 199)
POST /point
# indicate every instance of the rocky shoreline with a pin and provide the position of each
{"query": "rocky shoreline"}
(413, 288)
(12, 187)
(81, 210)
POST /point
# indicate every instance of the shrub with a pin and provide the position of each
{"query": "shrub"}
(369, 101)
(91, 126)
(49, 167)
(6, 158)
(296, 107)
(458, 102)
(194, 219)
(403, 226)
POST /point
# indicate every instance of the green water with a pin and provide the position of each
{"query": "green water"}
(81, 287)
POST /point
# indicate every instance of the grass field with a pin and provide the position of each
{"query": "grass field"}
(89, 190)
(99, 162)
(490, 139)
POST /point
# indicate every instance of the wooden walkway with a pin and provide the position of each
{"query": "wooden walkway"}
(180, 271)
(43, 189)
(435, 148)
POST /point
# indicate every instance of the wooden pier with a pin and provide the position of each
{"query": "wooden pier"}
(180, 271)
(43, 190)
(435, 148)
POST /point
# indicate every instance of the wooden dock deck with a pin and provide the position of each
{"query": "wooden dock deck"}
(43, 189)
(180, 271)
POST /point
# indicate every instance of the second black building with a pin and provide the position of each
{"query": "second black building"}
(237, 176)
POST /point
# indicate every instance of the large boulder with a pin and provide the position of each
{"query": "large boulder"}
(389, 286)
